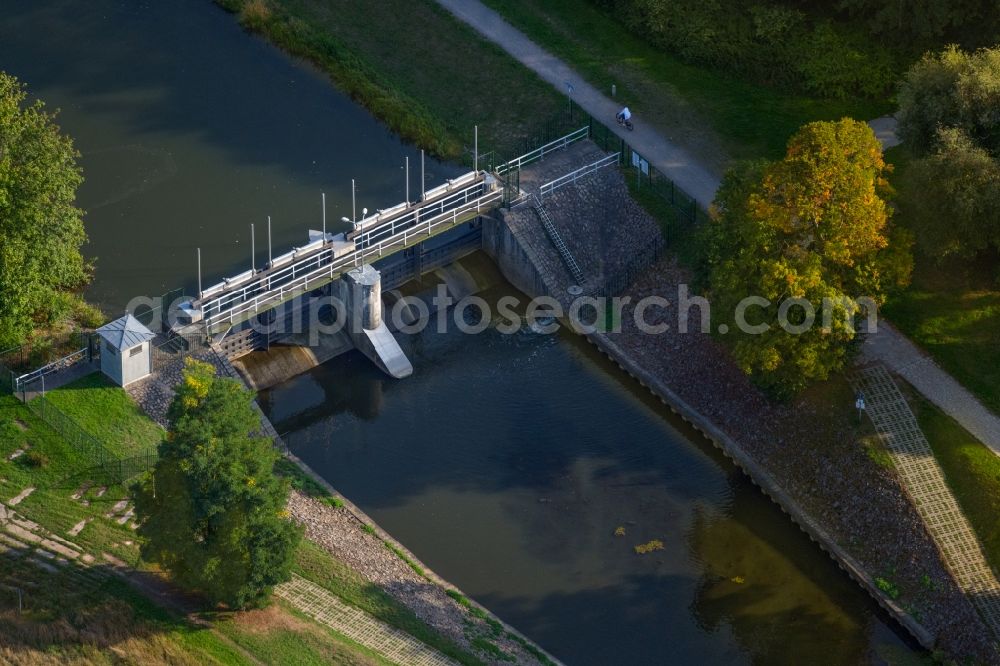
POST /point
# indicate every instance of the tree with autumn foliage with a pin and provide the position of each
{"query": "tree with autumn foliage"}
(814, 226)
(213, 512)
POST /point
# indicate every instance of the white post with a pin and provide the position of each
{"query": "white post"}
(270, 255)
(475, 148)
(407, 180)
(199, 273)
(423, 183)
(354, 210)
(253, 250)
(323, 194)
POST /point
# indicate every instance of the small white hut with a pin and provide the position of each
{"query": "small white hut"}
(126, 355)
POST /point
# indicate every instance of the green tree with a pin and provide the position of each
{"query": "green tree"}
(213, 511)
(953, 198)
(40, 227)
(812, 226)
(952, 88)
(925, 21)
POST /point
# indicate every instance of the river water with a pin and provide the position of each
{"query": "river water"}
(506, 462)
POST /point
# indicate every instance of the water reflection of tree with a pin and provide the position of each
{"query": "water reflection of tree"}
(777, 611)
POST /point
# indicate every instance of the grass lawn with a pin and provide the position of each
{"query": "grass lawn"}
(105, 411)
(95, 627)
(952, 311)
(65, 619)
(55, 470)
(280, 635)
(972, 472)
(746, 120)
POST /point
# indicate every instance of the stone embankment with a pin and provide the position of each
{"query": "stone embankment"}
(341, 532)
(805, 455)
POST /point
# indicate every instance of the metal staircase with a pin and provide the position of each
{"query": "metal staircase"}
(557, 241)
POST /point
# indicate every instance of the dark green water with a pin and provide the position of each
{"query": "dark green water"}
(190, 130)
(505, 462)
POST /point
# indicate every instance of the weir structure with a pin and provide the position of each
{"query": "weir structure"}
(254, 309)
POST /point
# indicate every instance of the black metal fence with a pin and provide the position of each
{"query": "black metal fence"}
(644, 173)
(115, 469)
(616, 283)
(25, 366)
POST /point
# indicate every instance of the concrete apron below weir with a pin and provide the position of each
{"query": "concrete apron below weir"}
(301, 352)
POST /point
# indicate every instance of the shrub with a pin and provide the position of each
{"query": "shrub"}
(953, 198)
(951, 89)
(34, 459)
(770, 42)
(832, 65)
(255, 14)
(888, 587)
(88, 315)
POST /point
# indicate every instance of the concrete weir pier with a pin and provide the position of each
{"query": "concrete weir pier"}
(361, 293)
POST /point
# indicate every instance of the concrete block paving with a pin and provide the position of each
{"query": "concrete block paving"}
(326, 608)
(923, 480)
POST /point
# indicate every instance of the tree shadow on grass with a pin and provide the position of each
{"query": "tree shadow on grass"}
(73, 610)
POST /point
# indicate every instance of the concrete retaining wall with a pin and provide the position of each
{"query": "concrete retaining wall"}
(515, 259)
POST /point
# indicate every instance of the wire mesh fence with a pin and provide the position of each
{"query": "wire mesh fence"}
(115, 469)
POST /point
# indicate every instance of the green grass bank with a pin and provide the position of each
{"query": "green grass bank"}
(426, 75)
(95, 623)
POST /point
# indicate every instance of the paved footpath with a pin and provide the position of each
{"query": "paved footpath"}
(888, 346)
(670, 159)
(895, 351)
(359, 626)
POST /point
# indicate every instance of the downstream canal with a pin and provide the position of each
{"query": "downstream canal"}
(506, 462)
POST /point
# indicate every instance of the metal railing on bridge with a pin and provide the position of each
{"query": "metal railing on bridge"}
(571, 177)
(256, 291)
(540, 152)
